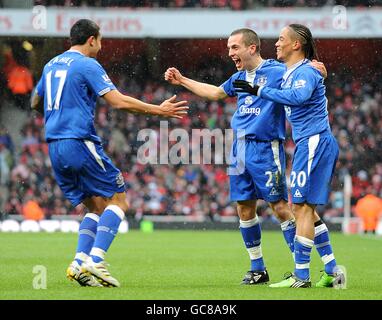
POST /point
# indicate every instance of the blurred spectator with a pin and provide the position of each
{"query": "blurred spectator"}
(32, 211)
(369, 209)
(6, 162)
(18, 76)
(20, 83)
(6, 139)
(6, 157)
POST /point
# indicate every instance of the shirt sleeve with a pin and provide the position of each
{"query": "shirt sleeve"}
(304, 83)
(228, 87)
(97, 78)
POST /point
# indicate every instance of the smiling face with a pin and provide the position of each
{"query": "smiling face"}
(286, 45)
(241, 54)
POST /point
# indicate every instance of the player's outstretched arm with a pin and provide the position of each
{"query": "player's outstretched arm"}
(300, 92)
(204, 90)
(169, 108)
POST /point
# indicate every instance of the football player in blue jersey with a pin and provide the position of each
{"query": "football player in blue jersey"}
(303, 95)
(69, 87)
(257, 169)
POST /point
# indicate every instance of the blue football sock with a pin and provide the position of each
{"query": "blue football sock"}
(86, 235)
(323, 246)
(302, 249)
(288, 228)
(251, 233)
(106, 231)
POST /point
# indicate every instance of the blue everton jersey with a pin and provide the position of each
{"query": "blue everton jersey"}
(260, 118)
(303, 95)
(70, 85)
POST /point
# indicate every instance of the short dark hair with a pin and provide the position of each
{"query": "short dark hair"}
(304, 35)
(82, 30)
(249, 37)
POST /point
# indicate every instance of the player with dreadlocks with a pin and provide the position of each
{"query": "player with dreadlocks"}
(303, 96)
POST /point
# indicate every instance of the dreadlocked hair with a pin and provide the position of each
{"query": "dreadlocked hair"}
(305, 37)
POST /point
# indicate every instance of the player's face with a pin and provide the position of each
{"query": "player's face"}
(285, 45)
(239, 52)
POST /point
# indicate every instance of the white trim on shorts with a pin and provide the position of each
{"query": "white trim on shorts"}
(312, 146)
(90, 145)
(276, 153)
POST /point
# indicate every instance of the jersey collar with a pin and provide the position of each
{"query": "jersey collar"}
(250, 75)
(253, 71)
(73, 50)
(293, 67)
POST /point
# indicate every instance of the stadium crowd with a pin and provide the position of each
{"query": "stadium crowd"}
(227, 4)
(189, 189)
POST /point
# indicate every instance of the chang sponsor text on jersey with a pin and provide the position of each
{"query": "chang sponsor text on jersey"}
(255, 115)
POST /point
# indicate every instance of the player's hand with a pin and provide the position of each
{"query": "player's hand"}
(173, 76)
(172, 109)
(320, 67)
(244, 86)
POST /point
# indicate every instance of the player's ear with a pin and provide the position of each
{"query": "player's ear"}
(296, 45)
(91, 41)
(253, 48)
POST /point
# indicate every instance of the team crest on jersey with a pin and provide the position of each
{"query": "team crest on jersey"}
(119, 180)
(262, 81)
(248, 100)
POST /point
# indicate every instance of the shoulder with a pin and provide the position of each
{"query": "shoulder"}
(273, 71)
(92, 61)
(274, 64)
(88, 66)
(274, 67)
(88, 62)
(235, 76)
(306, 75)
(308, 70)
(53, 60)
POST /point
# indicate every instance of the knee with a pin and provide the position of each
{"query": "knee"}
(246, 210)
(281, 210)
(304, 212)
(96, 207)
(124, 205)
(121, 201)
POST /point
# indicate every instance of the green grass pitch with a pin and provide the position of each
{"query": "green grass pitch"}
(182, 265)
